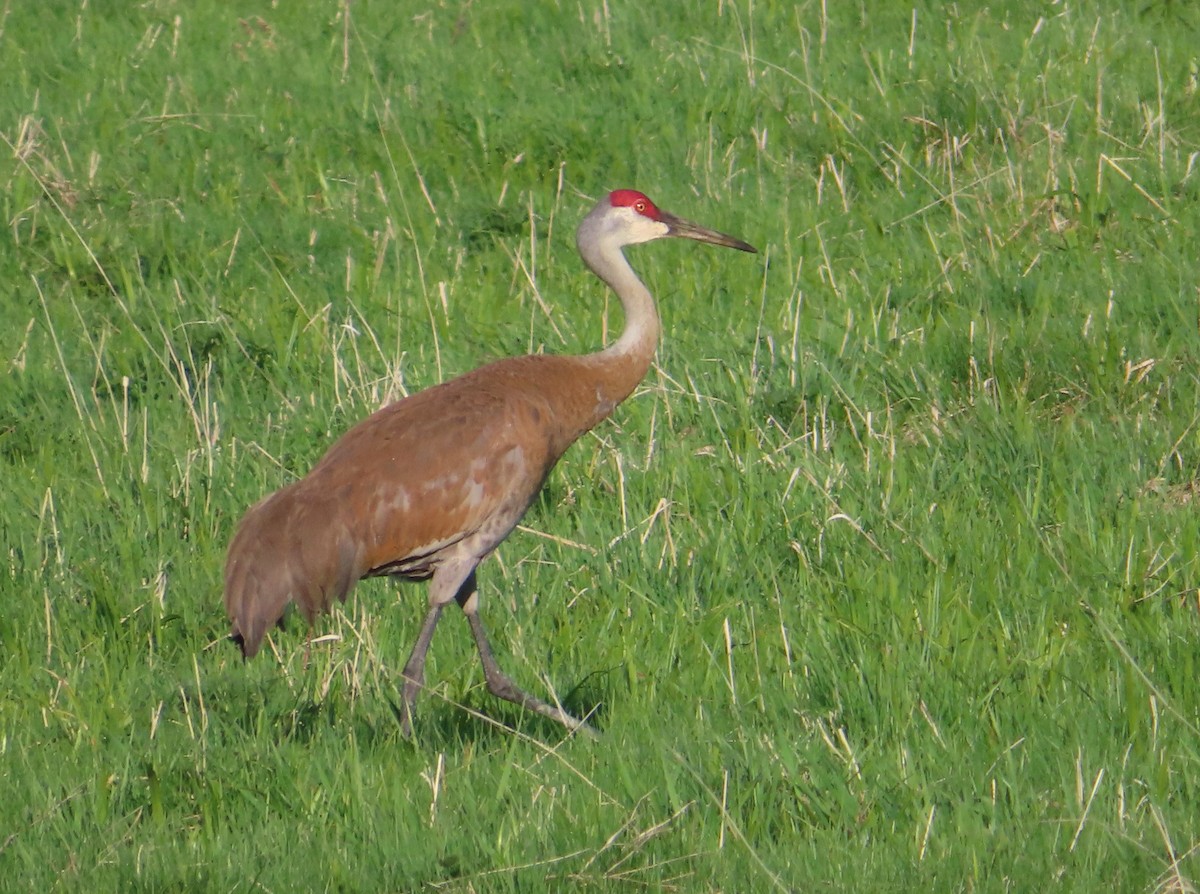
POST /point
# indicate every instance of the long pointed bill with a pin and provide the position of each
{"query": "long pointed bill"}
(685, 229)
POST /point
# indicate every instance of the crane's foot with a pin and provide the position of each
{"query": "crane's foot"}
(499, 685)
(408, 699)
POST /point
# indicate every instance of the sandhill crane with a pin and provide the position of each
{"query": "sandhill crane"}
(428, 486)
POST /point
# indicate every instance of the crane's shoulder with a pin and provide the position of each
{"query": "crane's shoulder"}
(517, 397)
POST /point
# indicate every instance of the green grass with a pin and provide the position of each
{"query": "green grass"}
(885, 579)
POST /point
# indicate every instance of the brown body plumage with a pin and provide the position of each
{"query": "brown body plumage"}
(426, 487)
(492, 435)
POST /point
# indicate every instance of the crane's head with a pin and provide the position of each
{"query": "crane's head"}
(628, 217)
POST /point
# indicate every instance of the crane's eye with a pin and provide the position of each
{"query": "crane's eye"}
(639, 206)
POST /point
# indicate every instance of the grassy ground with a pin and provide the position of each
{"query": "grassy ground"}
(885, 579)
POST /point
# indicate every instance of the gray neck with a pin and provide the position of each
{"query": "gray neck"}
(601, 251)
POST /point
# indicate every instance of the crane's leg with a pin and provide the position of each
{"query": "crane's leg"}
(498, 682)
(414, 669)
(447, 582)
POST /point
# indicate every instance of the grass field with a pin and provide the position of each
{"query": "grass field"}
(885, 579)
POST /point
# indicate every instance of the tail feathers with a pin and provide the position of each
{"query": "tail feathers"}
(284, 552)
(254, 605)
